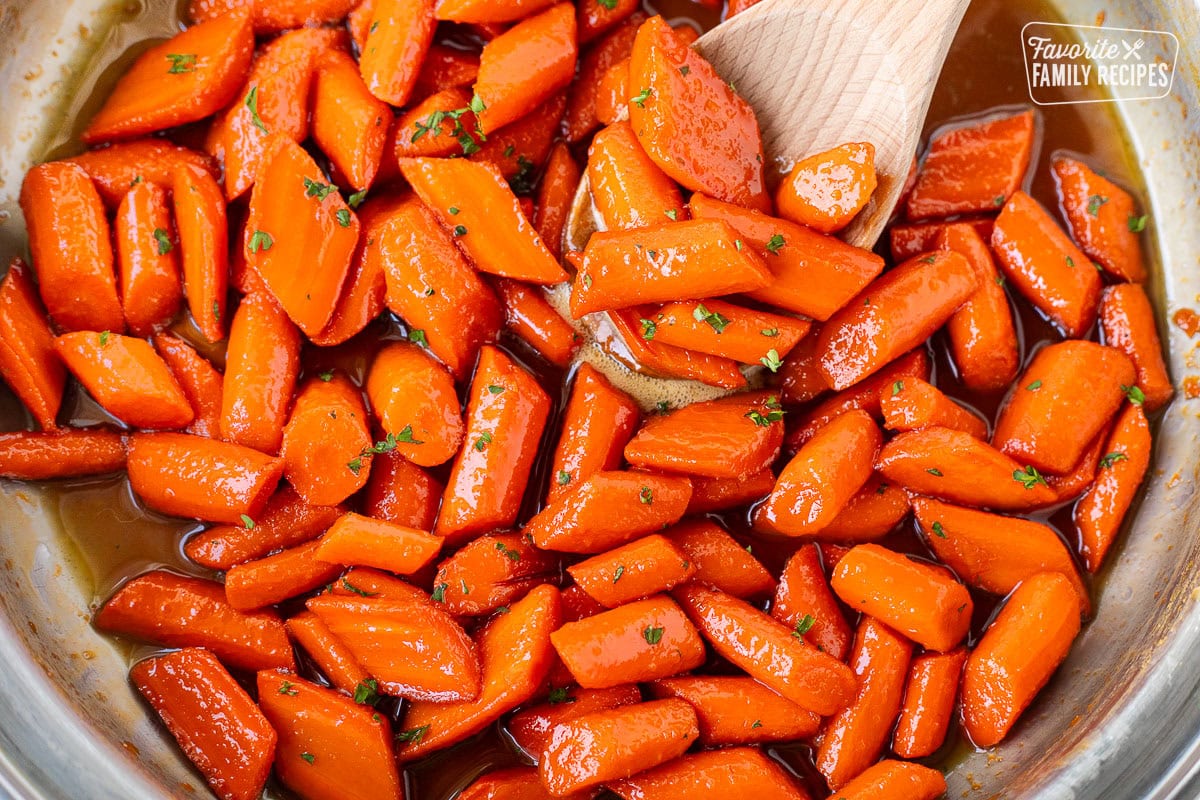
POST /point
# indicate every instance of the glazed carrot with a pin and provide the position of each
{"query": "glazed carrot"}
(662, 263)
(973, 169)
(348, 122)
(1127, 321)
(728, 330)
(233, 749)
(628, 189)
(1046, 266)
(402, 493)
(261, 365)
(1066, 395)
(610, 52)
(608, 509)
(823, 476)
(116, 168)
(826, 191)
(612, 94)
(443, 68)
(520, 149)
(929, 697)
(332, 657)
(767, 650)
(691, 122)
(413, 398)
(895, 313)
(913, 238)
(578, 604)
(271, 16)
(870, 515)
(329, 746)
(726, 438)
(492, 571)
(397, 41)
(302, 235)
(199, 209)
(741, 772)
(1018, 653)
(514, 783)
(531, 728)
(1102, 509)
(1102, 219)
(1071, 485)
(367, 582)
(804, 602)
(853, 740)
(633, 571)
(894, 780)
(28, 362)
(738, 710)
(666, 360)
(71, 247)
(800, 376)
(832, 553)
(176, 611)
(324, 441)
(914, 404)
(597, 424)
(594, 17)
(721, 494)
(524, 66)
(609, 745)
(489, 11)
(555, 194)
(919, 600)
(199, 380)
(285, 521)
(531, 317)
(270, 580)
(186, 78)
(441, 125)
(489, 476)
(66, 453)
(191, 476)
(147, 261)
(814, 275)
(517, 656)
(359, 540)
(719, 560)
(413, 648)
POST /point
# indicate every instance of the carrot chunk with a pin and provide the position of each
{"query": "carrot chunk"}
(199, 380)
(740, 772)
(735, 710)
(633, 571)
(1102, 219)
(597, 424)
(28, 362)
(531, 317)
(1102, 509)
(612, 94)
(402, 493)
(520, 149)
(324, 440)
(929, 697)
(595, 17)
(1128, 323)
(439, 126)
(664, 360)
(805, 603)
(398, 38)
(871, 514)
(147, 261)
(415, 401)
(277, 577)
(722, 494)
(826, 191)
(489, 10)
(913, 238)
(915, 404)
(355, 539)
(610, 52)
(628, 189)
(894, 780)
(272, 16)
(361, 582)
(532, 727)
(332, 657)
(203, 245)
(555, 195)
(365, 293)
(719, 560)
(800, 378)
(119, 166)
(493, 571)
(285, 521)
(443, 68)
(723, 329)
(66, 453)
(348, 122)
(261, 365)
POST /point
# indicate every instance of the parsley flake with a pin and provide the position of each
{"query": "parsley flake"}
(1033, 387)
(511, 553)
(417, 336)
(1029, 477)
(770, 332)
(483, 441)
(247, 523)
(366, 693)
(771, 360)
(350, 587)
(1135, 394)
(897, 388)
(641, 99)
(935, 472)
(326, 376)
(564, 477)
(413, 735)
(620, 571)
(1137, 224)
(164, 241)
(560, 695)
(653, 634)
(460, 230)
(1094, 203)
(646, 496)
(804, 626)
(104, 338)
(672, 214)
(1112, 458)
(261, 241)
(649, 328)
(355, 200)
(439, 593)
(252, 104)
(309, 757)
(611, 5)
(717, 322)
(939, 531)
(181, 63)
(343, 217)
(775, 244)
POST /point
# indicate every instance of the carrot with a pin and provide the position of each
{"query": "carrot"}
(285, 521)
(919, 600)
(191, 476)
(915, 404)
(272, 16)
(895, 313)
(1046, 266)
(604, 746)
(1101, 511)
(412, 647)
(870, 515)
(516, 656)
(329, 746)
(186, 78)
(691, 122)
(402, 493)
(594, 17)
(1071, 485)
(929, 697)
(973, 169)
(914, 238)
(608, 509)
(367, 582)
(433, 288)
(633, 571)
(397, 41)
(722, 494)
(504, 428)
(199, 380)
(348, 122)
(555, 194)
(612, 94)
(822, 477)
(233, 749)
(520, 149)
(175, 611)
(28, 362)
(443, 68)
(270, 580)
(261, 365)
(665, 360)
(364, 295)
(719, 560)
(147, 261)
(199, 209)
(1066, 395)
(332, 657)
(662, 263)
(724, 329)
(116, 168)
(610, 52)
(1102, 219)
(324, 441)
(481, 11)
(65, 453)
(414, 399)
(853, 740)
(491, 572)
(628, 189)
(355, 539)
(532, 727)
(531, 317)
(814, 275)
(1018, 653)
(800, 378)
(1127, 321)
(737, 773)
(597, 424)
(738, 710)
(127, 378)
(804, 603)
(439, 126)
(71, 247)
(826, 191)
(894, 780)
(578, 604)
(515, 783)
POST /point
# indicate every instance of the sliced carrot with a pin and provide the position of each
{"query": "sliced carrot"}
(402, 493)
(913, 238)
(348, 123)
(1102, 219)
(397, 41)
(691, 122)
(184, 79)
(515, 783)
(870, 515)
(915, 404)
(894, 780)
(445, 67)
(358, 540)
(665, 360)
(532, 727)
(66, 453)
(633, 571)
(612, 94)
(415, 401)
(973, 169)
(1102, 509)
(555, 195)
(367, 582)
(329, 746)
(1128, 323)
(441, 125)
(719, 560)
(735, 710)
(176, 611)
(489, 10)
(531, 317)
(204, 247)
(332, 657)
(324, 441)
(741, 772)
(114, 169)
(261, 365)
(721, 494)
(578, 604)
(285, 521)
(628, 189)
(727, 330)
(147, 261)
(826, 191)
(199, 380)
(1071, 485)
(929, 697)
(597, 424)
(519, 150)
(233, 749)
(800, 376)
(272, 16)
(28, 362)
(595, 17)
(365, 294)
(491, 572)
(611, 52)
(270, 580)
(805, 603)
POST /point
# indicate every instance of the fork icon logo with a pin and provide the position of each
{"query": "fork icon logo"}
(1133, 50)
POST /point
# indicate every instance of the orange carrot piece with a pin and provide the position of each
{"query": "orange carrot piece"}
(594, 17)
(735, 773)
(800, 378)
(199, 380)
(531, 728)
(973, 169)
(608, 509)
(114, 169)
(515, 783)
(870, 515)
(633, 571)
(611, 52)
(445, 67)
(894, 780)
(71, 247)
(719, 560)
(919, 600)
(65, 453)
(1066, 395)
(914, 404)
(414, 399)
(358, 540)
(805, 603)
(504, 428)
(348, 122)
(1046, 266)
(735, 710)
(364, 296)
(1071, 485)
(555, 194)
(332, 657)
(272, 16)
(278, 577)
(722, 494)
(628, 189)
(397, 41)
(261, 365)
(147, 261)
(612, 94)
(176, 611)
(439, 126)
(492, 571)
(691, 122)
(531, 317)
(913, 238)
(329, 746)
(1102, 219)
(285, 521)
(1018, 653)
(929, 697)
(28, 362)
(192, 476)
(520, 149)
(827, 190)
(204, 247)
(1101, 511)
(233, 749)
(724, 329)
(1128, 323)
(598, 422)
(484, 11)
(367, 582)
(402, 493)
(184, 79)
(664, 360)
(324, 440)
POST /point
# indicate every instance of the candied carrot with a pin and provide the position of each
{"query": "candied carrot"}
(583, 98)
(531, 728)
(367, 582)
(348, 123)
(734, 709)
(443, 68)
(805, 603)
(724, 329)
(531, 317)
(669, 361)
(1074, 483)
(441, 125)
(612, 94)
(826, 191)
(1102, 509)
(800, 378)
(914, 404)
(64, 453)
(628, 189)
(633, 571)
(398, 38)
(870, 515)
(199, 380)
(402, 493)
(520, 149)
(894, 780)
(28, 362)
(555, 194)
(414, 399)
(270, 580)
(719, 560)
(1102, 219)
(929, 697)
(114, 169)
(203, 246)
(285, 521)
(595, 17)
(733, 772)
(514, 783)
(324, 440)
(485, 11)
(365, 293)
(1128, 323)
(491, 572)
(358, 540)
(913, 238)
(598, 422)
(721, 494)
(332, 657)
(147, 259)
(261, 365)
(272, 16)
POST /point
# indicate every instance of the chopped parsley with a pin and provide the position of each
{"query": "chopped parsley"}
(413, 735)
(164, 241)
(343, 217)
(564, 477)
(641, 98)
(653, 634)
(649, 328)
(366, 693)
(483, 441)
(804, 626)
(646, 496)
(1137, 224)
(1112, 458)
(620, 571)
(288, 688)
(181, 63)
(247, 523)
(939, 531)
(261, 240)
(318, 190)
(717, 322)
(1135, 395)
(252, 104)
(775, 244)
(1029, 477)
(771, 360)
(1094, 203)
